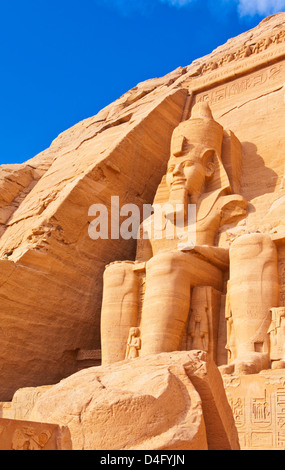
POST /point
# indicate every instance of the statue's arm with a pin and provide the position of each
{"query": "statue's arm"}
(232, 209)
(144, 248)
(214, 254)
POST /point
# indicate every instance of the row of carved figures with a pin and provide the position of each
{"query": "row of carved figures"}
(201, 335)
(244, 51)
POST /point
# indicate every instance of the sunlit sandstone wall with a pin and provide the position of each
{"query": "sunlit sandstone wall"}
(51, 271)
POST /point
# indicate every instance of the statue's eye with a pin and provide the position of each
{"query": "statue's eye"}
(170, 169)
(188, 163)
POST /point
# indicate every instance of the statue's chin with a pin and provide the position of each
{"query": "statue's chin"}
(178, 185)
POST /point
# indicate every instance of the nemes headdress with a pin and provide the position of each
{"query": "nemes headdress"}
(203, 131)
(200, 129)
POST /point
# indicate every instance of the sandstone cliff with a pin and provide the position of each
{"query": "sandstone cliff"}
(51, 271)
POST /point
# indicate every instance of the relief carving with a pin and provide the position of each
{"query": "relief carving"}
(29, 439)
(260, 411)
(199, 327)
(241, 85)
(238, 408)
(260, 420)
(276, 333)
(244, 52)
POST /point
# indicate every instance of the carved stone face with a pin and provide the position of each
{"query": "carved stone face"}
(134, 331)
(186, 173)
(190, 171)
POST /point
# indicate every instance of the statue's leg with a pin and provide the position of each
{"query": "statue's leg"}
(254, 290)
(119, 310)
(169, 278)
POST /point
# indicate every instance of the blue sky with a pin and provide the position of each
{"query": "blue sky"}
(62, 61)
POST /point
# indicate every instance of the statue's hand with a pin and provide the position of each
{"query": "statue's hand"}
(119, 262)
(214, 254)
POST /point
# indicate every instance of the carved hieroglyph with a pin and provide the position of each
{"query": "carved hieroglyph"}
(258, 405)
(18, 434)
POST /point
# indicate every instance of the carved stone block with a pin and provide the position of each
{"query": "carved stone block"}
(258, 405)
(29, 435)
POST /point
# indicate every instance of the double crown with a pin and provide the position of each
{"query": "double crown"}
(200, 129)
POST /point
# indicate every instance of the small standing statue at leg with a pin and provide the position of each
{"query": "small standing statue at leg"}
(133, 344)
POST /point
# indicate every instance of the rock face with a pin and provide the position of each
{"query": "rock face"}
(170, 401)
(51, 270)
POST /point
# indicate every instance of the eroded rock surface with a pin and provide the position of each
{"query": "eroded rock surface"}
(172, 401)
(51, 271)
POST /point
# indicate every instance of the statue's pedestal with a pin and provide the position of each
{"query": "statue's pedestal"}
(258, 404)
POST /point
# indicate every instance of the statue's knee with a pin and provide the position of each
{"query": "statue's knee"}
(164, 263)
(251, 245)
(118, 273)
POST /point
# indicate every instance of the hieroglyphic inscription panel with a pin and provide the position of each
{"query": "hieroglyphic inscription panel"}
(235, 92)
(258, 405)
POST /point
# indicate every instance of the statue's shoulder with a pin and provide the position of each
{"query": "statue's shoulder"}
(232, 199)
(222, 205)
(232, 207)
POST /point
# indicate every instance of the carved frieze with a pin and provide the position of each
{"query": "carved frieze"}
(243, 52)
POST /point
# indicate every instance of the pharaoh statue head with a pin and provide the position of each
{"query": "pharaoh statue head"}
(195, 157)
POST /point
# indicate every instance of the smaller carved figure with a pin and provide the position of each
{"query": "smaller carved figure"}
(226, 59)
(199, 329)
(276, 333)
(230, 346)
(238, 410)
(280, 37)
(208, 67)
(244, 51)
(262, 45)
(133, 344)
(28, 439)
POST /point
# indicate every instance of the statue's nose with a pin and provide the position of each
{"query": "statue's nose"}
(177, 170)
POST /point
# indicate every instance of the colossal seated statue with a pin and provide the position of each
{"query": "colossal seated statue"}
(173, 266)
(169, 298)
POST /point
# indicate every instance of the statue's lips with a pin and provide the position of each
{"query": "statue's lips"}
(178, 182)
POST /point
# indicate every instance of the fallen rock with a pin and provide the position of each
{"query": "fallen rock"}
(169, 401)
